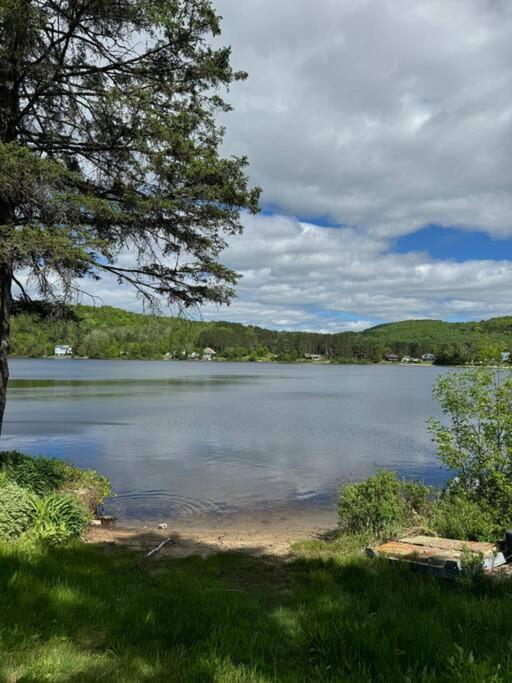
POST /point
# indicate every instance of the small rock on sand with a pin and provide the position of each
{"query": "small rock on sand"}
(162, 525)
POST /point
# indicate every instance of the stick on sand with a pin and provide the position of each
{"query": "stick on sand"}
(159, 547)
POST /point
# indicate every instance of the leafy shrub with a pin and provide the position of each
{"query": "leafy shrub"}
(43, 476)
(16, 510)
(477, 442)
(58, 517)
(418, 500)
(480, 513)
(496, 496)
(382, 504)
(88, 486)
(51, 495)
(458, 516)
(476, 445)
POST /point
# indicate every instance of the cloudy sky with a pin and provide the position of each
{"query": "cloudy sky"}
(381, 134)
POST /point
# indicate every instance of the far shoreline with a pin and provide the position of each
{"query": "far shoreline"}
(241, 361)
(382, 363)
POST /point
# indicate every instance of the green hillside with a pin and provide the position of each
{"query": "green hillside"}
(468, 340)
(107, 332)
(434, 331)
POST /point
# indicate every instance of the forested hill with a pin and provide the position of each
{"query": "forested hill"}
(107, 332)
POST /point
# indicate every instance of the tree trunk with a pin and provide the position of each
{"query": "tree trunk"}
(5, 319)
(9, 112)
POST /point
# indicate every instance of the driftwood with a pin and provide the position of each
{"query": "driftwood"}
(159, 547)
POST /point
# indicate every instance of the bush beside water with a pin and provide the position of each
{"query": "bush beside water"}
(385, 506)
(476, 445)
(46, 497)
(382, 505)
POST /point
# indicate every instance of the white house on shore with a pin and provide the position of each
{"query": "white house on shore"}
(63, 350)
(208, 353)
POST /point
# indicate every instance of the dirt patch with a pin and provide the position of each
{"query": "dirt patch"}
(255, 534)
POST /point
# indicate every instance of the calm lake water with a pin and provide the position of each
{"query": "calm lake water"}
(179, 439)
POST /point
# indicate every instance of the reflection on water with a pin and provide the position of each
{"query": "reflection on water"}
(179, 439)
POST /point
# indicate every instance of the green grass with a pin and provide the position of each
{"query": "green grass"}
(78, 613)
(43, 476)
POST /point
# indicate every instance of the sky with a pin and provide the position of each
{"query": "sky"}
(381, 134)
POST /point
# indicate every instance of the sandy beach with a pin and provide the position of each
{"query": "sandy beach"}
(265, 533)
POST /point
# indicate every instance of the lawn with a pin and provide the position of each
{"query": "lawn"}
(86, 613)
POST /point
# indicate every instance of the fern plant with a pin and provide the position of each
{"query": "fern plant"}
(58, 517)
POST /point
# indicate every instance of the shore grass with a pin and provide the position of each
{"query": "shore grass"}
(43, 476)
(90, 613)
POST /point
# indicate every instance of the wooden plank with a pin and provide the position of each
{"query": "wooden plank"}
(409, 552)
(441, 553)
(451, 544)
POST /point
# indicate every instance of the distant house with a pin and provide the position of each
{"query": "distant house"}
(314, 356)
(63, 350)
(392, 358)
(193, 356)
(505, 357)
(208, 353)
(428, 357)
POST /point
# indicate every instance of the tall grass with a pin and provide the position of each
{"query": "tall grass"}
(39, 475)
(77, 613)
(43, 476)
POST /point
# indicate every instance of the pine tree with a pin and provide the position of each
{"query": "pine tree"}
(110, 156)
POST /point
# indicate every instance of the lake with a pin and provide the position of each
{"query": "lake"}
(181, 439)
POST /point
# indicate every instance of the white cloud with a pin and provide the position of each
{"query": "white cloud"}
(381, 114)
(302, 276)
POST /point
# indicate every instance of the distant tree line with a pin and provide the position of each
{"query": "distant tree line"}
(107, 332)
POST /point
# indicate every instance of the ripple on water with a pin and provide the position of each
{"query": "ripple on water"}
(160, 504)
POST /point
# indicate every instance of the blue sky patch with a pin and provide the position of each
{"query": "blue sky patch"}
(457, 245)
